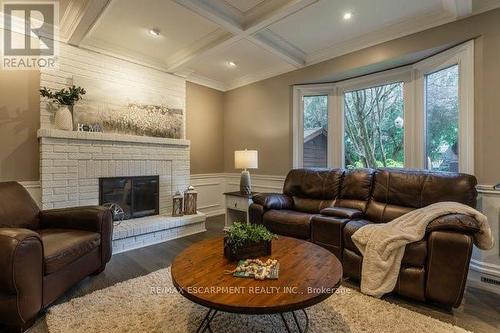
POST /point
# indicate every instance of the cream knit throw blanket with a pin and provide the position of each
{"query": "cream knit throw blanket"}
(383, 245)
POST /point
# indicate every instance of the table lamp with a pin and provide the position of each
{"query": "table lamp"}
(245, 159)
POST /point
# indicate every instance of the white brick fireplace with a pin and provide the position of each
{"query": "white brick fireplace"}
(71, 164)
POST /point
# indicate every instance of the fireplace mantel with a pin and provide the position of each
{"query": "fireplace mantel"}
(113, 137)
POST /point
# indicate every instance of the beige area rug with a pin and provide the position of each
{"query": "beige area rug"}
(132, 306)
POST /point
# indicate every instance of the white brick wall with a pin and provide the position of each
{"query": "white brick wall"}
(78, 62)
(71, 163)
(71, 168)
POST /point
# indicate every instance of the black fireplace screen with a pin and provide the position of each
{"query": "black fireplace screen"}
(137, 196)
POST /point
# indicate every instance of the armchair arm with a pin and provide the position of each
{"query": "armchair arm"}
(21, 274)
(454, 222)
(273, 201)
(346, 213)
(89, 218)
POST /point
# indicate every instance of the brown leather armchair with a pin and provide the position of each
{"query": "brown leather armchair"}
(327, 206)
(44, 253)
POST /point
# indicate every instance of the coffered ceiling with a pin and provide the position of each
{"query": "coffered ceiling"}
(229, 43)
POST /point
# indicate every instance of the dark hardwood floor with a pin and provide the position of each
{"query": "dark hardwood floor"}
(480, 311)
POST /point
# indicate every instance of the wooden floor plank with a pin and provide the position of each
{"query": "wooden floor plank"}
(480, 311)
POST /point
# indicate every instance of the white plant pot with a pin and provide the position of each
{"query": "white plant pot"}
(64, 119)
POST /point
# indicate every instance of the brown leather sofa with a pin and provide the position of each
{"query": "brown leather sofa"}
(328, 206)
(44, 253)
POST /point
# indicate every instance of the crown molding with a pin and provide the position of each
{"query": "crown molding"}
(115, 51)
(204, 81)
(259, 76)
(71, 17)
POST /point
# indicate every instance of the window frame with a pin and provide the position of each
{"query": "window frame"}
(463, 56)
(299, 92)
(413, 78)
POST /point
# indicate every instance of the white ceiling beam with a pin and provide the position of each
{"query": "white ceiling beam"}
(280, 47)
(458, 8)
(268, 18)
(254, 30)
(80, 18)
(217, 12)
(205, 48)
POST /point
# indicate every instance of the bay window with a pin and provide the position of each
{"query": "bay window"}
(418, 116)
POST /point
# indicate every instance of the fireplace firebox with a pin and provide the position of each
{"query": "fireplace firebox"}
(137, 196)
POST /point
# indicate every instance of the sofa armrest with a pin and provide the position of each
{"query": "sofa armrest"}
(346, 213)
(448, 258)
(21, 275)
(454, 222)
(89, 218)
(273, 201)
(328, 231)
(256, 213)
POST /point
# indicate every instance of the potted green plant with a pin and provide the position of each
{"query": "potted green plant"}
(247, 240)
(66, 99)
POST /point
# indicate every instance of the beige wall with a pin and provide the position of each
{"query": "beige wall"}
(19, 121)
(258, 116)
(204, 127)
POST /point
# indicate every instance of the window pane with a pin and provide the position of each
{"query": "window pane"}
(441, 106)
(373, 127)
(315, 131)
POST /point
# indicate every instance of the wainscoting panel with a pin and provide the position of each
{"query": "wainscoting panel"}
(484, 270)
(211, 187)
(260, 183)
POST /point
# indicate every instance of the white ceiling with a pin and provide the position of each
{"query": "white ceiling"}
(263, 37)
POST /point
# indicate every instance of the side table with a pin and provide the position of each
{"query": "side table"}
(237, 205)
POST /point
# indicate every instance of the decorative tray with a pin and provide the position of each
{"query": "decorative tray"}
(257, 269)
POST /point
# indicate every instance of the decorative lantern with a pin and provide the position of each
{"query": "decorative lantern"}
(190, 197)
(177, 204)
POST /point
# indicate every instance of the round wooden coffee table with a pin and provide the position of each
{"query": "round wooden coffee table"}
(308, 274)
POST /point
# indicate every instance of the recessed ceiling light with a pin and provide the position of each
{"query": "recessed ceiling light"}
(347, 16)
(154, 31)
(230, 64)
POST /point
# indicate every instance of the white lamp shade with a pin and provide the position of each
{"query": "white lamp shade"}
(246, 159)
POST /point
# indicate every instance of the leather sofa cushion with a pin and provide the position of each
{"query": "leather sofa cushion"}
(289, 223)
(62, 246)
(313, 206)
(347, 213)
(356, 189)
(396, 191)
(17, 208)
(415, 253)
(322, 184)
